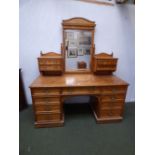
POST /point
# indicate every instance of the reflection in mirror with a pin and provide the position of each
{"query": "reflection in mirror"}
(77, 49)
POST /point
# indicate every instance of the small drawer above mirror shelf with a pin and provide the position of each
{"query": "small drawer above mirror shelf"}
(104, 64)
(50, 63)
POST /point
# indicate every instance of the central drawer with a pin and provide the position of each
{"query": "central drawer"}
(45, 91)
(80, 90)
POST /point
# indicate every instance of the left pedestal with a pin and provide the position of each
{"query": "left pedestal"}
(47, 106)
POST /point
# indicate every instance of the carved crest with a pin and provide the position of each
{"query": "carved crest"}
(104, 55)
(52, 54)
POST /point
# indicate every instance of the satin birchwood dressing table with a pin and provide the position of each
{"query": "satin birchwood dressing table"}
(61, 78)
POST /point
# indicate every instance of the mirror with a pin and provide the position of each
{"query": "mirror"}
(77, 49)
(78, 44)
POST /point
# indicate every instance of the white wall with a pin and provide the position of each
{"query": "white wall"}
(40, 29)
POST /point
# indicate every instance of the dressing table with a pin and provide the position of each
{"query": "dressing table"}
(77, 71)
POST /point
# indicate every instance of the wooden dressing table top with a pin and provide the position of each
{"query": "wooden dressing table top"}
(77, 80)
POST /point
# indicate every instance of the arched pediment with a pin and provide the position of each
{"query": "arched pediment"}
(78, 22)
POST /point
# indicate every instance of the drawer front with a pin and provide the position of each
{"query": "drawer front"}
(45, 91)
(110, 112)
(113, 98)
(80, 90)
(46, 100)
(49, 61)
(48, 117)
(112, 104)
(106, 68)
(113, 89)
(50, 67)
(56, 107)
(106, 62)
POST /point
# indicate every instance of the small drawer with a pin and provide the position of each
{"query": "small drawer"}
(45, 91)
(46, 61)
(48, 117)
(73, 90)
(113, 98)
(110, 112)
(49, 61)
(106, 61)
(46, 100)
(50, 67)
(45, 67)
(113, 89)
(57, 62)
(55, 107)
(106, 68)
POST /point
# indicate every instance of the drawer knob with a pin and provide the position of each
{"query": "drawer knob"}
(47, 108)
(110, 113)
(113, 98)
(114, 90)
(47, 101)
(70, 90)
(92, 88)
(46, 91)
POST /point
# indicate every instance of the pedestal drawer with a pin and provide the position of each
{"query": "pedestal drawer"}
(55, 107)
(110, 112)
(48, 117)
(113, 97)
(46, 100)
(111, 104)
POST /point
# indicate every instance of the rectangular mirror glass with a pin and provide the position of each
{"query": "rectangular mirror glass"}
(77, 49)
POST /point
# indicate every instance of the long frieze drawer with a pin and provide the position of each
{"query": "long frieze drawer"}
(49, 61)
(50, 67)
(112, 98)
(46, 100)
(48, 117)
(45, 91)
(110, 112)
(55, 107)
(113, 89)
(80, 90)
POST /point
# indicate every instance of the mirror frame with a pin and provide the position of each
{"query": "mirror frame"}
(79, 23)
